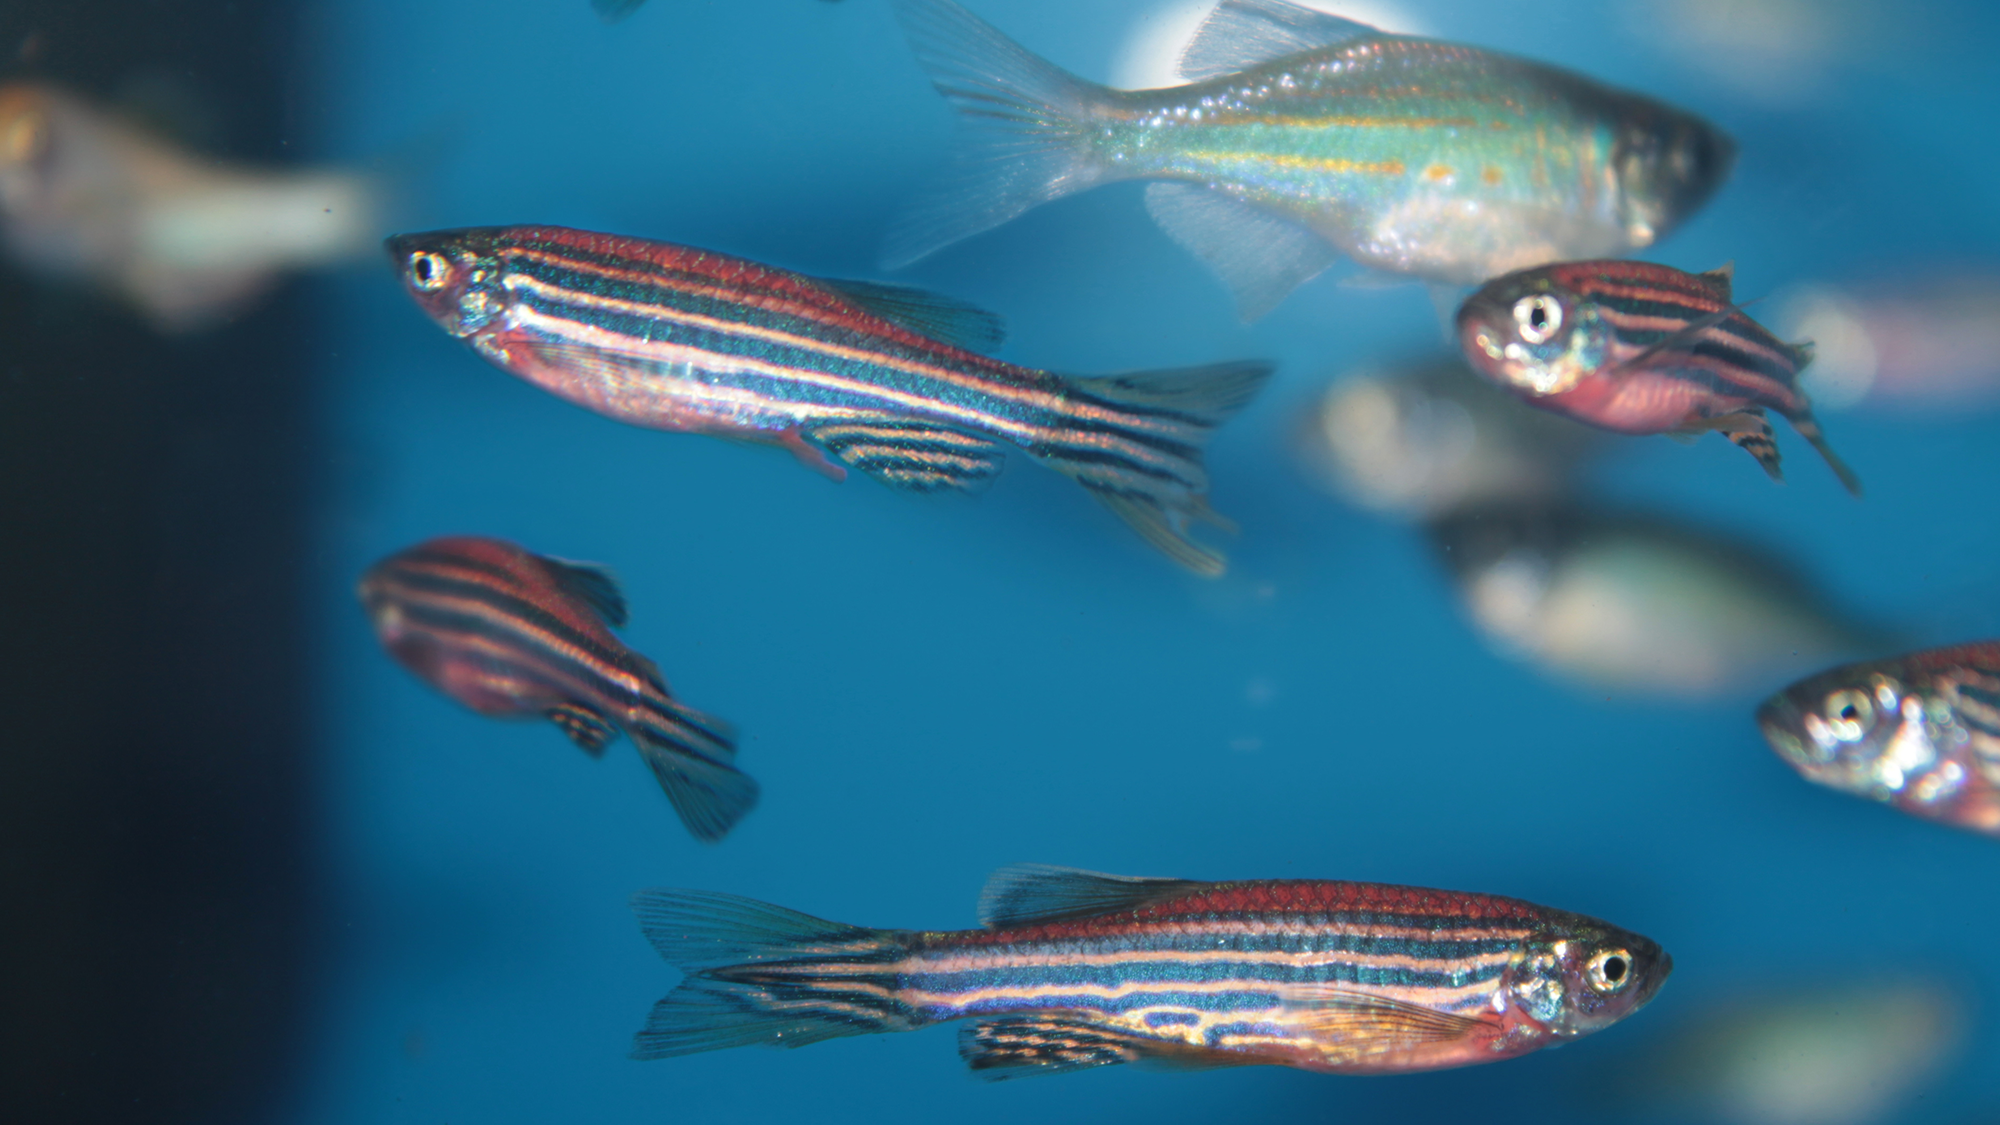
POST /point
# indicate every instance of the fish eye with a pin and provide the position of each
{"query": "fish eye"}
(429, 271)
(1538, 318)
(1610, 970)
(1849, 713)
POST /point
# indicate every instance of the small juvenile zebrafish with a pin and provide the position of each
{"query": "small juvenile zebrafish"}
(520, 636)
(886, 379)
(1920, 732)
(1305, 136)
(1640, 348)
(1075, 969)
(87, 197)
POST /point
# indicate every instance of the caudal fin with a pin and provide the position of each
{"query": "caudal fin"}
(692, 754)
(1024, 130)
(1135, 441)
(758, 974)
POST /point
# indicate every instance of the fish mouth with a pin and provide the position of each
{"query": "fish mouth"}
(1778, 718)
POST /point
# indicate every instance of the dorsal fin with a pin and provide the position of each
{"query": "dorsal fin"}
(1034, 894)
(1802, 352)
(1241, 34)
(1721, 280)
(591, 584)
(946, 319)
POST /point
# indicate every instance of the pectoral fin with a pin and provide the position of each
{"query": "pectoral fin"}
(585, 727)
(1356, 1026)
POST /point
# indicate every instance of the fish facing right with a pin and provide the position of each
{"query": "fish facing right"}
(1305, 136)
(1074, 969)
(1920, 732)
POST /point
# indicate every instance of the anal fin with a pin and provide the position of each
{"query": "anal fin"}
(1024, 1046)
(912, 455)
(1751, 432)
(1350, 1027)
(584, 727)
(1259, 256)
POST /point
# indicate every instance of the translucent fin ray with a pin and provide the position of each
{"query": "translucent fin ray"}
(945, 319)
(1034, 894)
(1259, 256)
(1241, 34)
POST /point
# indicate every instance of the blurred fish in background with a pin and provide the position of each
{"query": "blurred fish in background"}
(1635, 604)
(87, 197)
(1778, 52)
(1305, 136)
(516, 635)
(1419, 440)
(1927, 344)
(1846, 1053)
(1920, 732)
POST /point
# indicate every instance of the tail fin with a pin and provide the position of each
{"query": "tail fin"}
(1135, 442)
(761, 974)
(692, 754)
(1025, 129)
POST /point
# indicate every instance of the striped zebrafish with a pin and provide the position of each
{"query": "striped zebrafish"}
(1302, 136)
(1920, 732)
(517, 635)
(1074, 969)
(1642, 349)
(884, 379)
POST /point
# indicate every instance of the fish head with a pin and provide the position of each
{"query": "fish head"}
(1531, 334)
(455, 276)
(1668, 164)
(1863, 731)
(1581, 975)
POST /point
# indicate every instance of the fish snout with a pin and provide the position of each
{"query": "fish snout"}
(444, 279)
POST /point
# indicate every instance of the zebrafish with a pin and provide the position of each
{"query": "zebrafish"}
(86, 197)
(1920, 732)
(521, 636)
(1636, 604)
(885, 379)
(1424, 440)
(1305, 136)
(1075, 969)
(1642, 349)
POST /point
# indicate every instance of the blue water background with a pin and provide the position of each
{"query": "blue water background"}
(929, 689)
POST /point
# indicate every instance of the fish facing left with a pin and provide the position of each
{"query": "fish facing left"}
(1919, 732)
(1303, 136)
(884, 379)
(1639, 348)
(1074, 969)
(517, 635)
(87, 197)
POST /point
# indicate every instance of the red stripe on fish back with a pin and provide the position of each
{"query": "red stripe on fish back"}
(741, 281)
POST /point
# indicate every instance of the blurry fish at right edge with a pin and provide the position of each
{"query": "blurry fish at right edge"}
(190, 242)
(611, 11)
(1639, 348)
(1305, 136)
(1073, 969)
(517, 635)
(1919, 732)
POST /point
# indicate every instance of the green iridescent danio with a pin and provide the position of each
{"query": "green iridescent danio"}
(1304, 136)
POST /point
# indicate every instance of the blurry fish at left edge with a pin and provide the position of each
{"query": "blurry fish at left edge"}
(611, 11)
(1074, 969)
(86, 196)
(886, 379)
(1639, 348)
(1920, 732)
(516, 635)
